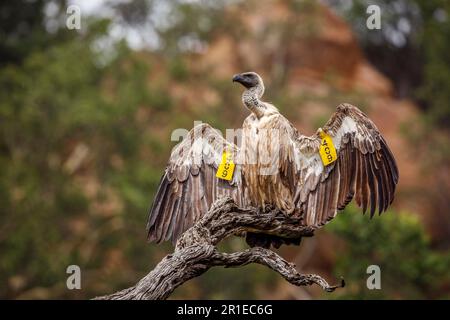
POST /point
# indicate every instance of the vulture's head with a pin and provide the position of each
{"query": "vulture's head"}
(249, 79)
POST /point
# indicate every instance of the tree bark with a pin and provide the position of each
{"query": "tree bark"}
(195, 252)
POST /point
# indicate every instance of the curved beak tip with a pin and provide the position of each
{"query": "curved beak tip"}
(236, 77)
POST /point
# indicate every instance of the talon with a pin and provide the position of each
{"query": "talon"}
(268, 208)
(259, 211)
(273, 213)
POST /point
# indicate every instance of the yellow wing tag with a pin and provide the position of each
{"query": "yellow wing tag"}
(226, 167)
(327, 150)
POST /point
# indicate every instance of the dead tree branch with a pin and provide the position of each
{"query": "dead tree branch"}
(196, 252)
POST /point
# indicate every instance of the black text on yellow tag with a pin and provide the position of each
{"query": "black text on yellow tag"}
(327, 150)
(226, 167)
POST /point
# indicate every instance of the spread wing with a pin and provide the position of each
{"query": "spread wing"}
(365, 169)
(189, 184)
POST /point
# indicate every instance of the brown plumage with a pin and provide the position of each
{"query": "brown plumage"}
(275, 166)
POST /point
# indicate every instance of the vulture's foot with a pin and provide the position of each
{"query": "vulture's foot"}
(275, 213)
(271, 210)
(265, 210)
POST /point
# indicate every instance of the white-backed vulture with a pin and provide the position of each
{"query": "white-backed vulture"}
(275, 166)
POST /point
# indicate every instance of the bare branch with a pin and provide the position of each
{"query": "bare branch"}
(195, 251)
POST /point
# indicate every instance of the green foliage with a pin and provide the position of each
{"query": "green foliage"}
(411, 48)
(53, 111)
(178, 69)
(398, 244)
(435, 45)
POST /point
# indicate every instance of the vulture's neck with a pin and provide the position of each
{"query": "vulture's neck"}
(251, 99)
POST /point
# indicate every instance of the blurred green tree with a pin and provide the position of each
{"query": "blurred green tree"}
(397, 243)
(72, 146)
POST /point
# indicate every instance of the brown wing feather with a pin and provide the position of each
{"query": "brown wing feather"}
(189, 186)
(365, 169)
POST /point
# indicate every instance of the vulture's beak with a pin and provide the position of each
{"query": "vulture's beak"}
(238, 78)
(245, 81)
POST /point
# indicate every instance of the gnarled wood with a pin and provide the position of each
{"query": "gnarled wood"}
(196, 252)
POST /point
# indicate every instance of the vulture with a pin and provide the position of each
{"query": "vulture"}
(309, 177)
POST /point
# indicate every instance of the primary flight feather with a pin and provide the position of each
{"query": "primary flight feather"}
(276, 166)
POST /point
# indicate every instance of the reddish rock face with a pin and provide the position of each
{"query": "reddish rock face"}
(311, 45)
